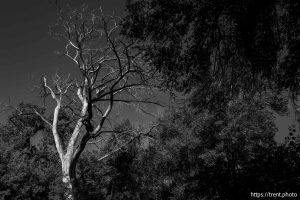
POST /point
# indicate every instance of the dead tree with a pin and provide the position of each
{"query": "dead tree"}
(111, 72)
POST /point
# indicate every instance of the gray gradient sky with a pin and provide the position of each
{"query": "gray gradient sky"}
(27, 50)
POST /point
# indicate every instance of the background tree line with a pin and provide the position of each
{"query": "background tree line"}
(184, 159)
(236, 63)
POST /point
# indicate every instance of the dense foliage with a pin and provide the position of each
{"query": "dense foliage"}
(235, 61)
(198, 156)
(30, 168)
(189, 156)
(219, 47)
(28, 171)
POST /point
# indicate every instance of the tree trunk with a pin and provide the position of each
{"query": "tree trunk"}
(69, 180)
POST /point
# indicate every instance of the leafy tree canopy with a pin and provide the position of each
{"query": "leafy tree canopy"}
(220, 47)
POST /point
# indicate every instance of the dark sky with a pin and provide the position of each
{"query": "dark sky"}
(27, 50)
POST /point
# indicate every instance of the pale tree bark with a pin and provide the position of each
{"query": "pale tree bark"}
(111, 73)
(69, 180)
(294, 101)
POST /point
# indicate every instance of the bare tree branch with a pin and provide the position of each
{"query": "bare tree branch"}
(126, 144)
